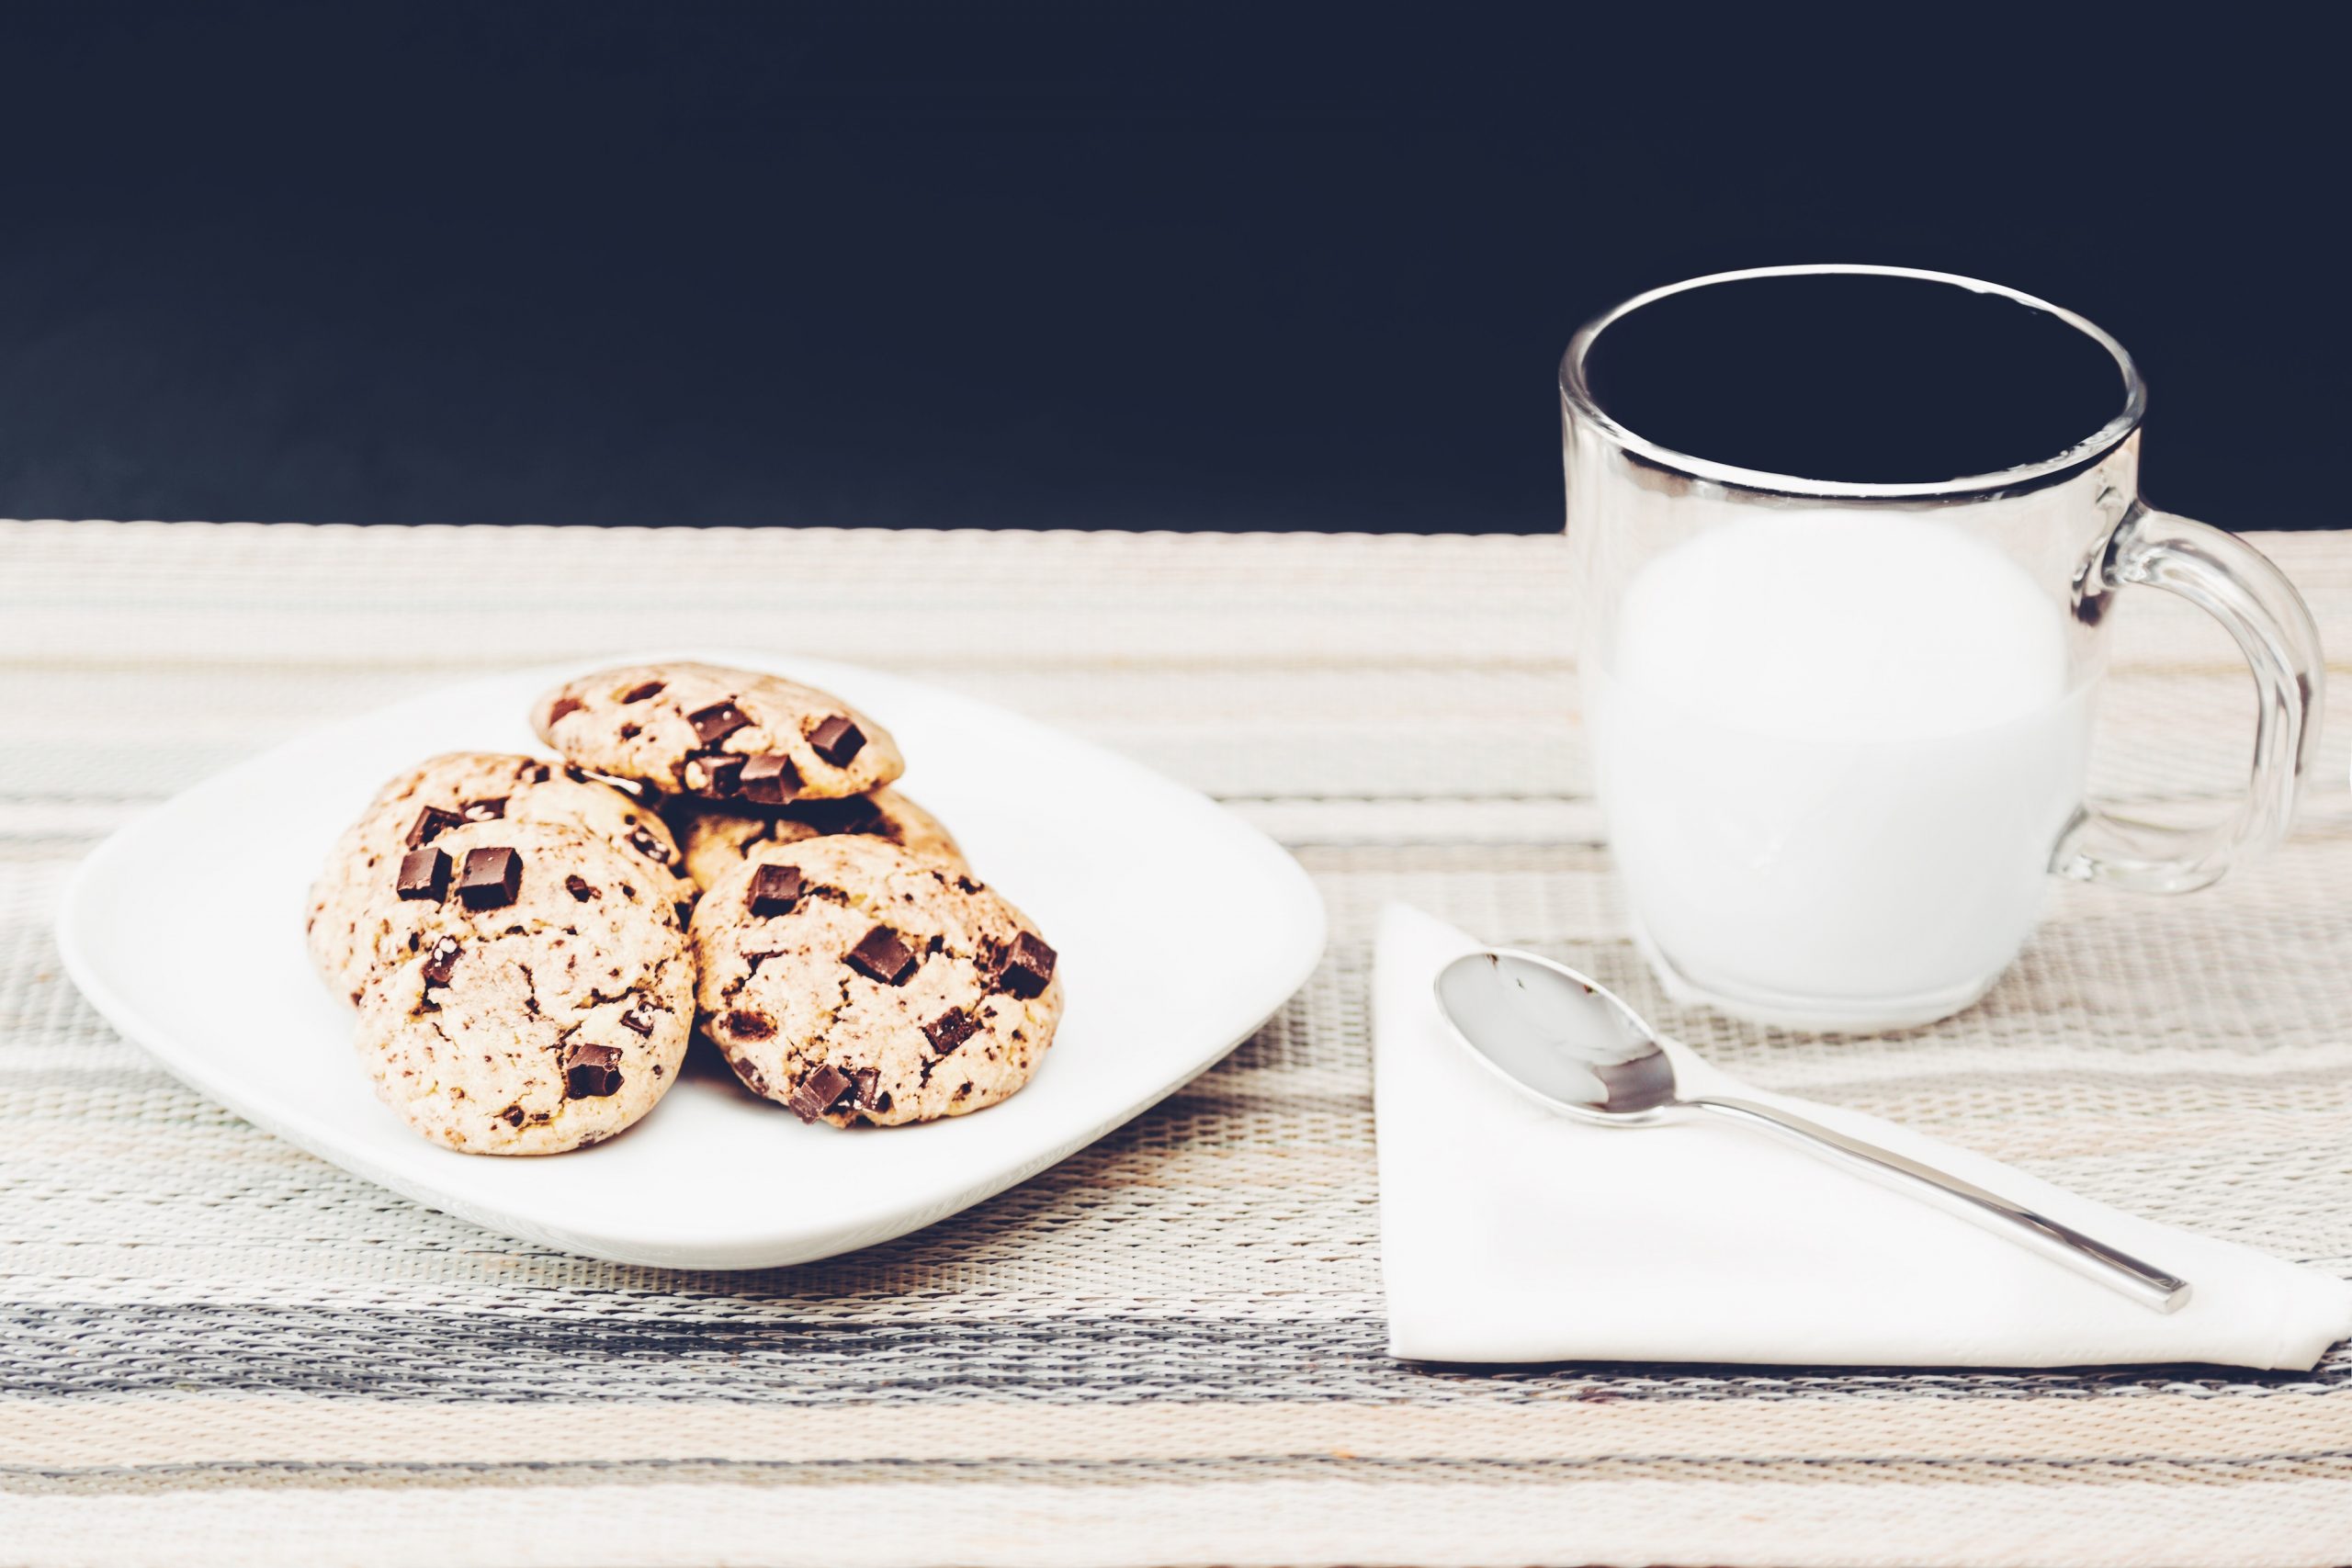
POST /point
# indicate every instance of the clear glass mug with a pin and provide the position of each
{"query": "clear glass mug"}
(1840, 720)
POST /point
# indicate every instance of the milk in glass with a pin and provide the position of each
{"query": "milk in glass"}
(1836, 751)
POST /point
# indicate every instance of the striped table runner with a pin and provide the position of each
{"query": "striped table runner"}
(215, 1348)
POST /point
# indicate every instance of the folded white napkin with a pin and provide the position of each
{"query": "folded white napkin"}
(1510, 1234)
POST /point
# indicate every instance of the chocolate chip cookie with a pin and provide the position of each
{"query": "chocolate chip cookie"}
(852, 982)
(349, 918)
(715, 841)
(735, 736)
(542, 996)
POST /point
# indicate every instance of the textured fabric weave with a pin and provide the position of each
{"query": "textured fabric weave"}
(214, 1348)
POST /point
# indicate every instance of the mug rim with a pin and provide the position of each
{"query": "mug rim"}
(2024, 475)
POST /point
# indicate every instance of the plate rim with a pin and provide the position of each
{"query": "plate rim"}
(734, 1252)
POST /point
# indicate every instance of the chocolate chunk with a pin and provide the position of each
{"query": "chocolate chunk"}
(881, 956)
(591, 1072)
(631, 787)
(640, 1017)
(541, 773)
(837, 739)
(631, 731)
(817, 1092)
(949, 1030)
(770, 779)
(564, 707)
(484, 810)
(442, 962)
(865, 1079)
(638, 694)
(774, 890)
(425, 873)
(577, 885)
(1027, 969)
(512, 1115)
(717, 722)
(750, 1025)
(717, 777)
(648, 846)
(491, 879)
(430, 824)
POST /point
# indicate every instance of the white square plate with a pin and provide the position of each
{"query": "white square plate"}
(1180, 929)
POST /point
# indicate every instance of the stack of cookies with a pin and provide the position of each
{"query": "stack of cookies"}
(532, 943)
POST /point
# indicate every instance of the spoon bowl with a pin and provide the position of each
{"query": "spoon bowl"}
(1558, 1037)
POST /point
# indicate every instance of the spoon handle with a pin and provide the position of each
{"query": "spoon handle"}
(2116, 1270)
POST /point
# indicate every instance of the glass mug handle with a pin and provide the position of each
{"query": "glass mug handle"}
(2235, 584)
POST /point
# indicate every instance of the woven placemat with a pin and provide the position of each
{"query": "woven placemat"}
(214, 1348)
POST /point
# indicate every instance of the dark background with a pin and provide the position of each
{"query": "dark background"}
(1194, 267)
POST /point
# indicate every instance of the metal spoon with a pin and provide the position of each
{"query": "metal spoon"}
(1567, 1045)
